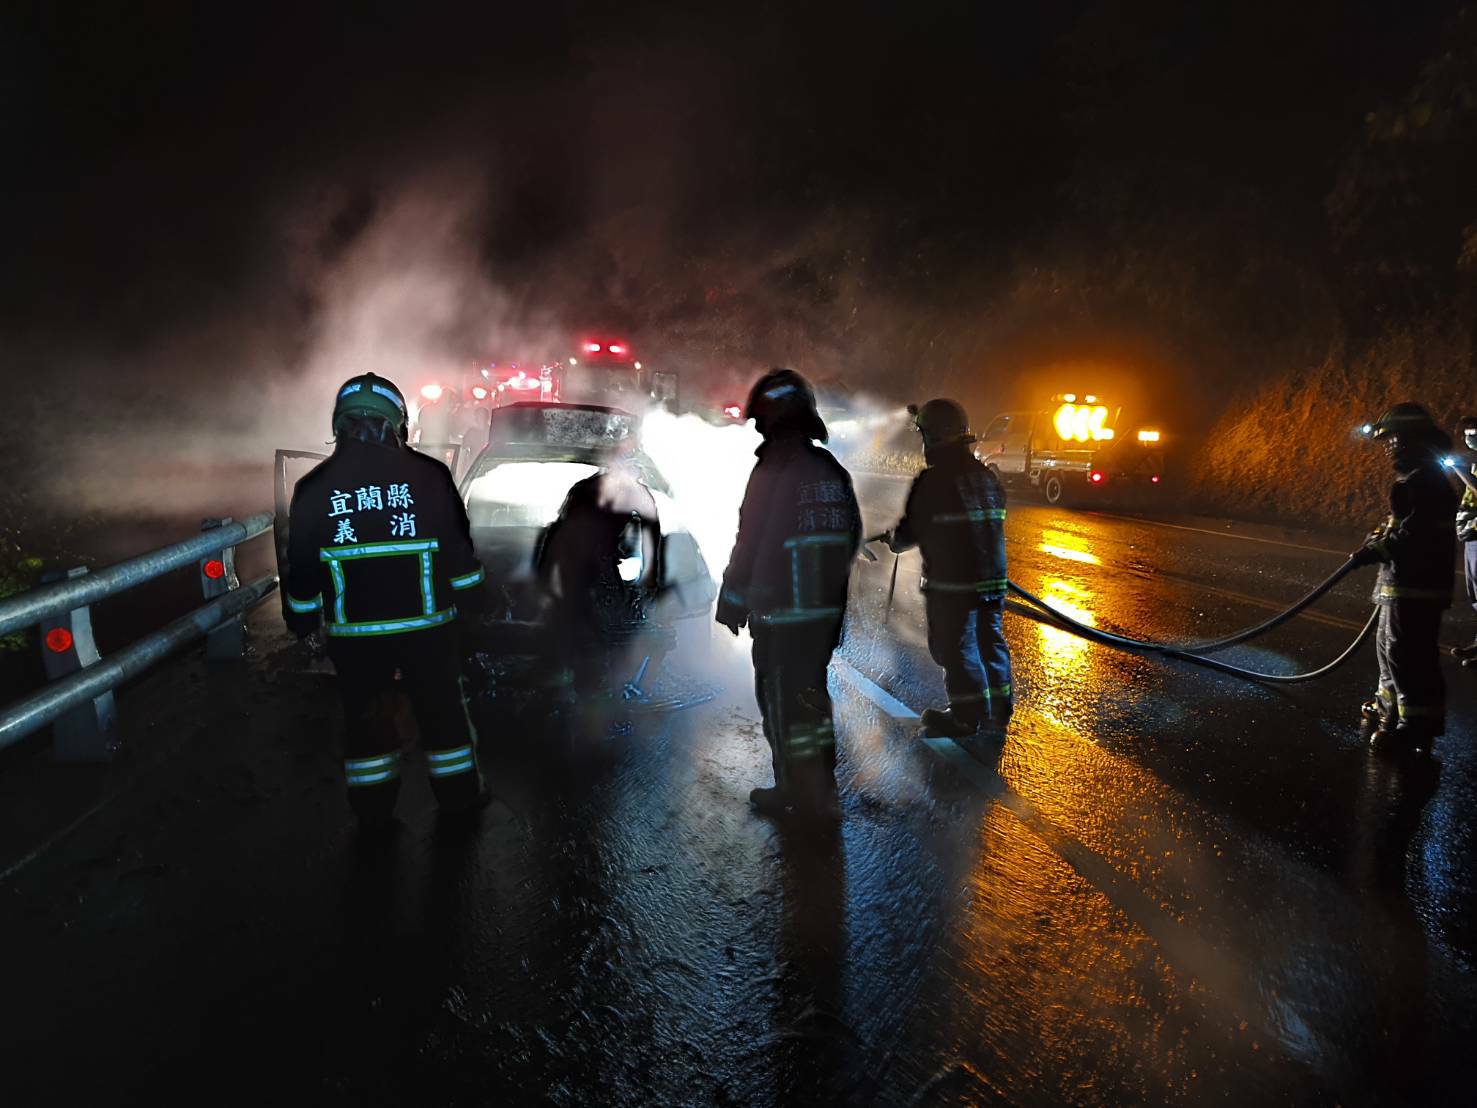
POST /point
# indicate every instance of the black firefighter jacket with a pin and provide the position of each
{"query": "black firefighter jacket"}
(1417, 544)
(378, 544)
(799, 529)
(956, 516)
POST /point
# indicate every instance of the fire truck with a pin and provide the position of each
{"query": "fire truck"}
(607, 371)
(1075, 451)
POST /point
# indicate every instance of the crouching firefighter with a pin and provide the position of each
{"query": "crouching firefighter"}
(799, 529)
(1416, 550)
(955, 515)
(380, 551)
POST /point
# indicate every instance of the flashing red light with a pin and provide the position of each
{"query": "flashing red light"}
(1155, 478)
(215, 569)
(593, 347)
(616, 348)
(431, 392)
(58, 640)
(732, 411)
(479, 393)
(1096, 477)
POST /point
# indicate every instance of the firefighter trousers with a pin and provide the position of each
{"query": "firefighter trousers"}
(790, 666)
(1412, 691)
(966, 638)
(1469, 563)
(429, 663)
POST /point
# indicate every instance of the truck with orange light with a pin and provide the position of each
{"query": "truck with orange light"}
(1077, 451)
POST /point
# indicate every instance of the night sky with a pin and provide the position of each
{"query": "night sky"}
(174, 165)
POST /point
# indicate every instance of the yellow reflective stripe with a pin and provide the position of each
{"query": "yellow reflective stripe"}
(1404, 592)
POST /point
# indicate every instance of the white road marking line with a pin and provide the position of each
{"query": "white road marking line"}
(1220, 534)
(876, 693)
(1182, 946)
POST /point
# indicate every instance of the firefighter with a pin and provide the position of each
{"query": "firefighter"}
(1415, 548)
(380, 552)
(799, 529)
(955, 514)
(1466, 530)
(599, 564)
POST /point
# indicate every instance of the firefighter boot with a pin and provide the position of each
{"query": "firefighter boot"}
(948, 723)
(1403, 740)
(1373, 719)
(769, 800)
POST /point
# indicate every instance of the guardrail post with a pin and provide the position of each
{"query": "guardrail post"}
(218, 577)
(89, 731)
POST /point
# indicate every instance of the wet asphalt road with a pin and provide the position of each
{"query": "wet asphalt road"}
(1164, 885)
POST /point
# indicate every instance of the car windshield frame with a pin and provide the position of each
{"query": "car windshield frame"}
(491, 457)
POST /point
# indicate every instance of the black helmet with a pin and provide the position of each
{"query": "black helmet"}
(372, 396)
(942, 422)
(782, 398)
(1404, 419)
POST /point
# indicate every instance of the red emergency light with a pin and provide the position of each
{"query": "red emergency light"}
(215, 569)
(58, 640)
(732, 411)
(1155, 478)
(1096, 477)
(593, 347)
(616, 348)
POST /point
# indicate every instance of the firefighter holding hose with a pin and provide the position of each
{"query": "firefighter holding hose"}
(955, 514)
(380, 552)
(1415, 549)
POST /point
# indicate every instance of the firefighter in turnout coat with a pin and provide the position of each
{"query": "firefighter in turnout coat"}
(955, 514)
(1416, 552)
(799, 529)
(380, 554)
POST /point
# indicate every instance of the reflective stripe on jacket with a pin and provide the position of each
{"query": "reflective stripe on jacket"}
(955, 515)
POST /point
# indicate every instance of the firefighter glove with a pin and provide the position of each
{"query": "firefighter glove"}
(731, 615)
(1365, 556)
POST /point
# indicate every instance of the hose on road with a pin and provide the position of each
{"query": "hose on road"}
(1122, 642)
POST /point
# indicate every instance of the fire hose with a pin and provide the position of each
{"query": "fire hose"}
(1122, 642)
(1195, 652)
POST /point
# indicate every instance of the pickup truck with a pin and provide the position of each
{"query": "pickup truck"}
(1072, 453)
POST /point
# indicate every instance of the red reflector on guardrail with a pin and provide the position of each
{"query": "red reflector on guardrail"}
(215, 569)
(58, 640)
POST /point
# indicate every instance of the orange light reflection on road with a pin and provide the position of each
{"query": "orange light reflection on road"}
(1070, 547)
(1064, 654)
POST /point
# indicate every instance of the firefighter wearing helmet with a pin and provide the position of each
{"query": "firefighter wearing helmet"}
(380, 555)
(955, 515)
(1466, 528)
(799, 529)
(1415, 548)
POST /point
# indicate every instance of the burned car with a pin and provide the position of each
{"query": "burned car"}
(514, 490)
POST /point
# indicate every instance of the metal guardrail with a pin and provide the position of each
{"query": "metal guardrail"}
(31, 607)
(79, 698)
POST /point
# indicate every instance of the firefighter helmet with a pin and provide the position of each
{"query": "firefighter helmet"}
(1404, 419)
(942, 421)
(370, 395)
(783, 398)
